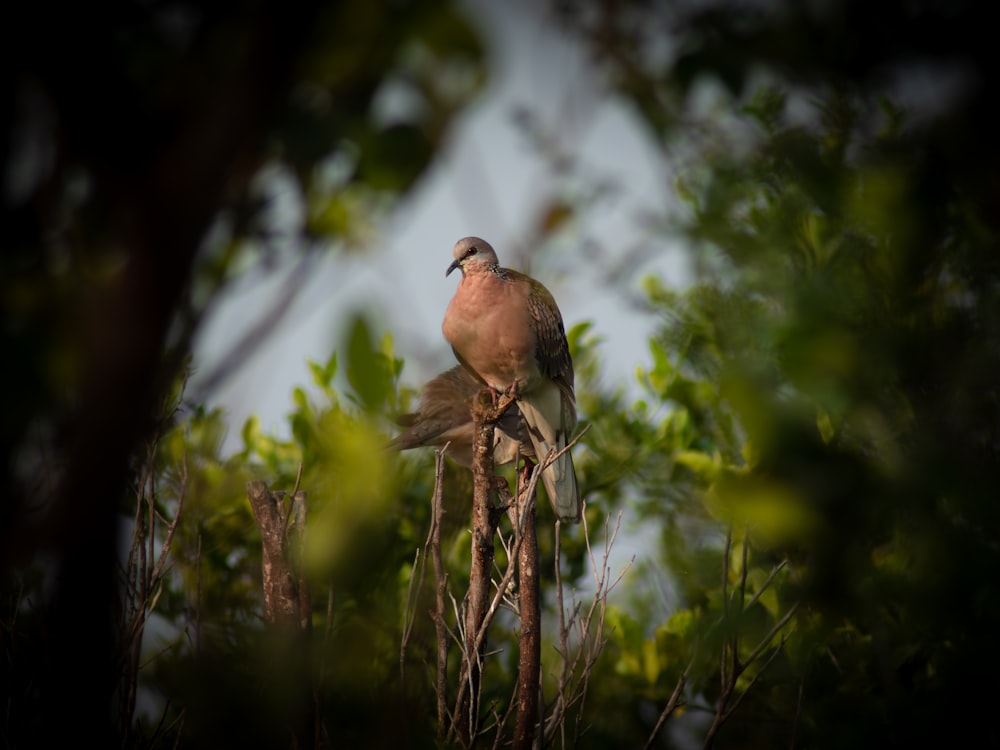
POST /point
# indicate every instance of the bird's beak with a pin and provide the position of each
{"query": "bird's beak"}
(455, 264)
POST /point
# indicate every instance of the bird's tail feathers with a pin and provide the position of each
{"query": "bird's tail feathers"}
(560, 477)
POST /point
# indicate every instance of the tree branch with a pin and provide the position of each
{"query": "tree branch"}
(485, 519)
(529, 662)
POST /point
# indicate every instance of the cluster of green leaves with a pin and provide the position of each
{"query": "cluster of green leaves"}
(368, 515)
(835, 360)
(356, 551)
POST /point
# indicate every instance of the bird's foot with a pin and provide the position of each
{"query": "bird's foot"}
(526, 470)
(504, 493)
(487, 397)
(493, 402)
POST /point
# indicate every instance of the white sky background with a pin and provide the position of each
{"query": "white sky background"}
(489, 181)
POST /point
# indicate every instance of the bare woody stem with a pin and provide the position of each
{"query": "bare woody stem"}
(281, 532)
(440, 590)
(287, 604)
(529, 662)
(485, 519)
(732, 667)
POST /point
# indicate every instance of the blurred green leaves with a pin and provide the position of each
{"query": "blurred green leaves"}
(353, 550)
(371, 371)
(823, 390)
(816, 425)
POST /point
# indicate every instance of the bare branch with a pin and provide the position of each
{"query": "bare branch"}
(172, 528)
(589, 641)
(282, 586)
(409, 613)
(774, 571)
(142, 579)
(484, 523)
(724, 672)
(672, 703)
(743, 569)
(530, 655)
(778, 626)
(731, 667)
(440, 587)
(563, 633)
(298, 480)
(753, 681)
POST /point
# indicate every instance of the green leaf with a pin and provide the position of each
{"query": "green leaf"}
(703, 464)
(251, 432)
(323, 374)
(367, 368)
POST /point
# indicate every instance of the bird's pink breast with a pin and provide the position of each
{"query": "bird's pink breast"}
(491, 331)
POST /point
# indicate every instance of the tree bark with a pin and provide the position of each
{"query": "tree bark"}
(286, 598)
(485, 519)
(529, 663)
(287, 605)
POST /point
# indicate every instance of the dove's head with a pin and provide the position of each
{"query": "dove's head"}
(472, 253)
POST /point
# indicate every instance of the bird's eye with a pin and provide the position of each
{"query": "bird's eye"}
(473, 250)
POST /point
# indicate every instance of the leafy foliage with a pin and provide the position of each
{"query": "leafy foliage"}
(811, 460)
(836, 356)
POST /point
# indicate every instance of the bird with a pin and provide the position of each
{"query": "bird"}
(506, 330)
(444, 418)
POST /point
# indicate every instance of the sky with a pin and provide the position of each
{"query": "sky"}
(488, 181)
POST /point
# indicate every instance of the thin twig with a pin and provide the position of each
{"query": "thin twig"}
(723, 669)
(764, 586)
(563, 633)
(409, 614)
(577, 667)
(753, 681)
(731, 667)
(743, 571)
(778, 626)
(598, 607)
(197, 605)
(672, 703)
(172, 528)
(440, 587)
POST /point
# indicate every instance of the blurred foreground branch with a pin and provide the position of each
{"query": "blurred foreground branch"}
(282, 532)
(287, 603)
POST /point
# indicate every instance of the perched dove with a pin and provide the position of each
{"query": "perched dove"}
(443, 417)
(506, 329)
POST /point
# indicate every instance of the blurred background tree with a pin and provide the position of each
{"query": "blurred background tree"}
(137, 141)
(815, 444)
(837, 356)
